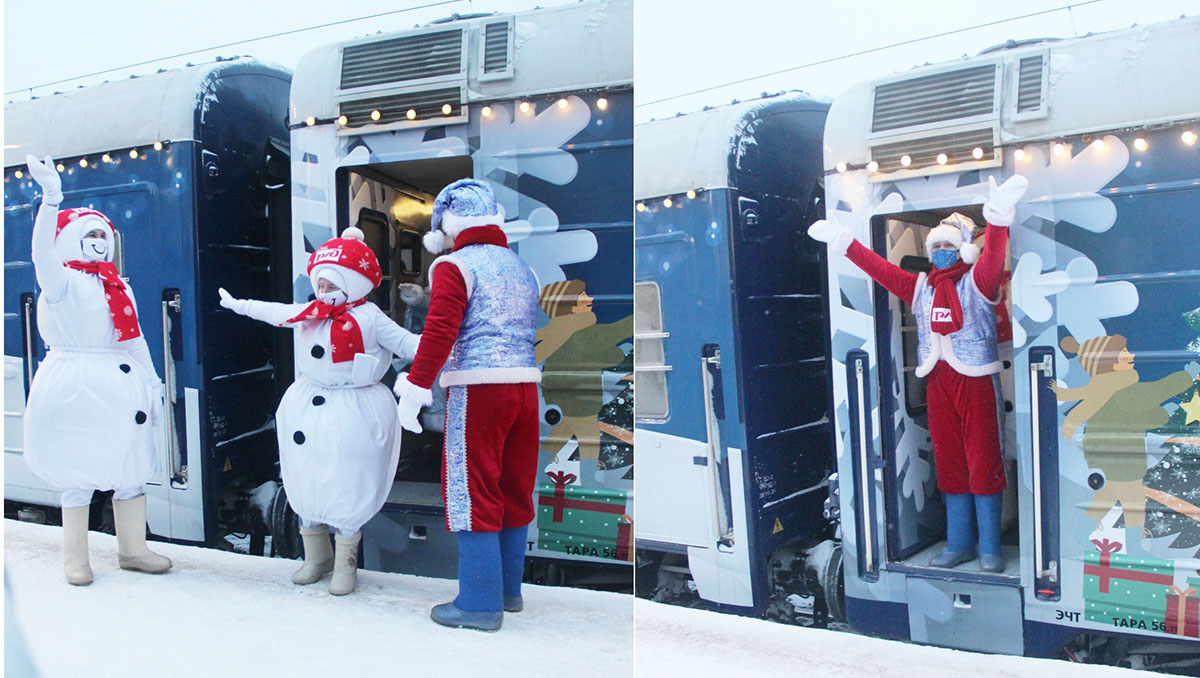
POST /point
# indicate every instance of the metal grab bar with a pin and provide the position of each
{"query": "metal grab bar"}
(864, 462)
(1041, 568)
(30, 357)
(175, 474)
(713, 433)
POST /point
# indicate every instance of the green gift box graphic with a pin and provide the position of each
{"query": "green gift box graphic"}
(582, 521)
(1124, 591)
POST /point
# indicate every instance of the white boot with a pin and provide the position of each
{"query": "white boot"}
(318, 555)
(345, 564)
(132, 552)
(75, 545)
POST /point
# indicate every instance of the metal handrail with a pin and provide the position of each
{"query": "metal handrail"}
(864, 461)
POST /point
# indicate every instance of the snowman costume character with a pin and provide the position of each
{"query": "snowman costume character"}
(339, 439)
(480, 325)
(954, 307)
(95, 401)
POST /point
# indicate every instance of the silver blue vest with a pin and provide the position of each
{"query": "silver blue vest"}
(495, 340)
(973, 346)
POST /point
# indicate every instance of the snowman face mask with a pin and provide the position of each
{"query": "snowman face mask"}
(329, 293)
(94, 245)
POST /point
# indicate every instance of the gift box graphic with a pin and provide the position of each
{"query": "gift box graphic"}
(1124, 591)
(1183, 612)
(582, 521)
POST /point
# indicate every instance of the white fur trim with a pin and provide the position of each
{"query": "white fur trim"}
(492, 375)
(435, 242)
(355, 233)
(466, 274)
(943, 233)
(993, 302)
(961, 367)
(411, 393)
(840, 244)
(453, 224)
(969, 253)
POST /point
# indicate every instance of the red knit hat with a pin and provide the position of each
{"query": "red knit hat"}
(67, 216)
(350, 253)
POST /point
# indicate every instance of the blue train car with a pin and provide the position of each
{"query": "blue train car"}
(1099, 339)
(191, 167)
(731, 360)
(540, 105)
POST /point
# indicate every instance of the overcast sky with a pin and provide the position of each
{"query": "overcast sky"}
(681, 45)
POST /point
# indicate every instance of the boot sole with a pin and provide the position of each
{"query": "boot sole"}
(467, 626)
(134, 567)
(306, 582)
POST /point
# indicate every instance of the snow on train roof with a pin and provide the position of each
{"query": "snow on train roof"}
(692, 151)
(114, 115)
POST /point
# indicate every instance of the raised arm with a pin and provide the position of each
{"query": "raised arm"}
(841, 241)
(395, 338)
(266, 311)
(1000, 210)
(51, 274)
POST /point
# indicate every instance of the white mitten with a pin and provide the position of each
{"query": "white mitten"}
(47, 177)
(1001, 206)
(232, 303)
(830, 231)
(412, 399)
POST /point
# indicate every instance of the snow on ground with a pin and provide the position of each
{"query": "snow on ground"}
(225, 614)
(676, 641)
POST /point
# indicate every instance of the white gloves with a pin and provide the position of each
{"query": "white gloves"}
(1001, 206)
(412, 399)
(47, 177)
(830, 231)
(232, 303)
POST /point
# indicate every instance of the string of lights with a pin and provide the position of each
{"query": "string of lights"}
(865, 51)
(236, 43)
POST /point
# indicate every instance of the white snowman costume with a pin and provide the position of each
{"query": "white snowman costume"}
(95, 400)
(339, 437)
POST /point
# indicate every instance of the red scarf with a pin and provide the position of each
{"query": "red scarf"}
(120, 307)
(945, 298)
(345, 337)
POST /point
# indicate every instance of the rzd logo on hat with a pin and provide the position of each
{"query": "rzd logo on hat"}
(327, 255)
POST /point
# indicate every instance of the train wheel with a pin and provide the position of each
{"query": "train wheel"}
(285, 527)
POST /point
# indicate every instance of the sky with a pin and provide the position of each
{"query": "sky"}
(717, 41)
(680, 45)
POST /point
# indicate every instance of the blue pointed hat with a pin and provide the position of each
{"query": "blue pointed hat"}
(461, 205)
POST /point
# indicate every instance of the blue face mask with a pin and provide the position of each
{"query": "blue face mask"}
(944, 258)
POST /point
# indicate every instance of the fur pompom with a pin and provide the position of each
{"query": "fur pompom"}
(435, 241)
(354, 232)
(969, 253)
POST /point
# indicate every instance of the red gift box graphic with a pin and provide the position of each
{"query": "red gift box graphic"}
(1105, 571)
(1183, 611)
(560, 502)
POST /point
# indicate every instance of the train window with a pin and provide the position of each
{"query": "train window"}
(649, 368)
(375, 228)
(408, 254)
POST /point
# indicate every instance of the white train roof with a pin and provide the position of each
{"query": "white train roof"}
(1136, 77)
(115, 115)
(586, 45)
(692, 151)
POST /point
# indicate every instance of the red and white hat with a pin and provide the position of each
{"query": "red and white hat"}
(73, 224)
(354, 263)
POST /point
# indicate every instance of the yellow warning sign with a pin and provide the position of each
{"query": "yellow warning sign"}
(778, 527)
(229, 467)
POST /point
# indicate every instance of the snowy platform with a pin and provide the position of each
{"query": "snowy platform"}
(677, 641)
(225, 614)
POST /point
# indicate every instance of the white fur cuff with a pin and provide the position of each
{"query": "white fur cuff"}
(409, 392)
(840, 244)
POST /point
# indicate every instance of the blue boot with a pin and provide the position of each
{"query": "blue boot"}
(480, 589)
(987, 512)
(512, 559)
(960, 535)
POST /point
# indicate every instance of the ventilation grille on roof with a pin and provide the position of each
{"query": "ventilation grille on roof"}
(495, 48)
(1029, 84)
(413, 57)
(426, 105)
(923, 153)
(952, 95)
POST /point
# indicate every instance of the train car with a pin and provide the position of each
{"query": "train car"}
(1098, 333)
(732, 361)
(191, 166)
(539, 105)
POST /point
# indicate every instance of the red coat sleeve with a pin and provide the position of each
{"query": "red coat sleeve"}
(447, 305)
(895, 279)
(989, 270)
